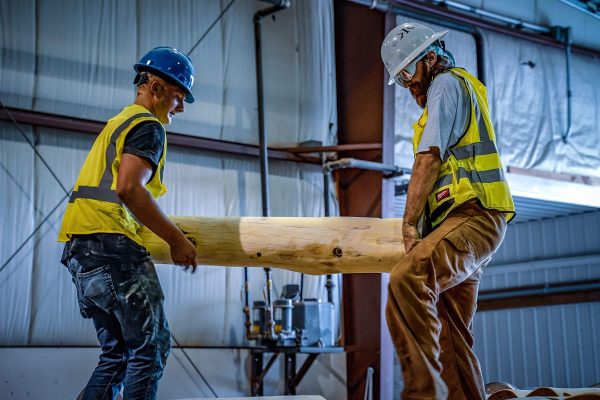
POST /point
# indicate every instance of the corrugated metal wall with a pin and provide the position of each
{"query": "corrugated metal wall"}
(543, 346)
(558, 237)
(555, 346)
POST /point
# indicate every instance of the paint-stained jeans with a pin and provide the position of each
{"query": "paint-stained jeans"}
(125, 302)
(432, 298)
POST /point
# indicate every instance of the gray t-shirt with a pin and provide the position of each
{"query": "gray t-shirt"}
(448, 108)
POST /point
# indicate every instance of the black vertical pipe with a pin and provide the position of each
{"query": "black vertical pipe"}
(262, 140)
(568, 44)
(326, 175)
(480, 48)
(262, 137)
(247, 322)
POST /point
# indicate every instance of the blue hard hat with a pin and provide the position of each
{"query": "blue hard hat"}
(170, 64)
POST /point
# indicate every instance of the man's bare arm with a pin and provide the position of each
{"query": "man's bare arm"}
(134, 173)
(424, 175)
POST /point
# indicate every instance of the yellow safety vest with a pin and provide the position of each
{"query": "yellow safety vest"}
(471, 169)
(94, 206)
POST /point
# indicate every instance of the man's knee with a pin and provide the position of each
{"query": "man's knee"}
(399, 273)
(149, 361)
(408, 271)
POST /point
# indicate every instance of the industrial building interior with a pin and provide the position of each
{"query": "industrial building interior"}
(294, 118)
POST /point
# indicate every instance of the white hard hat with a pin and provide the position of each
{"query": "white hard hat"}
(404, 43)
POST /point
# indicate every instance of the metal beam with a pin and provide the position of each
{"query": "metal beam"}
(582, 179)
(544, 294)
(545, 264)
(539, 295)
(63, 122)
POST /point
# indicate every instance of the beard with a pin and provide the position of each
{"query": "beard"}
(419, 87)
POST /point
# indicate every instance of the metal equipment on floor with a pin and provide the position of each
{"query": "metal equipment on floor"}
(301, 326)
(292, 377)
(297, 322)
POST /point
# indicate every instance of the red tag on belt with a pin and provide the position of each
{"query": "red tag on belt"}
(439, 196)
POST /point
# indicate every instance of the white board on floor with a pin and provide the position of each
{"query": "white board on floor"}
(263, 398)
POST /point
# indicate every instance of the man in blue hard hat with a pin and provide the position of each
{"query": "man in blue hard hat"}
(115, 194)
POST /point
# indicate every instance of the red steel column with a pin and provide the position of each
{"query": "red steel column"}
(386, 378)
(359, 32)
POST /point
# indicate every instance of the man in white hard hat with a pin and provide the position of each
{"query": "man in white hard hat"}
(458, 205)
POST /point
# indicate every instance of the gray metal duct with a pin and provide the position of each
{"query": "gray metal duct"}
(387, 169)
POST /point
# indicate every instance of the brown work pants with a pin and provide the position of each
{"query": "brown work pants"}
(432, 298)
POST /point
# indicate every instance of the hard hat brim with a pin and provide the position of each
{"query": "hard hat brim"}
(431, 40)
(189, 97)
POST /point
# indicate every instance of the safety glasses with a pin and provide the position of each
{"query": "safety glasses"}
(407, 73)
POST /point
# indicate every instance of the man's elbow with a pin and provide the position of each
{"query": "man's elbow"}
(126, 191)
(430, 160)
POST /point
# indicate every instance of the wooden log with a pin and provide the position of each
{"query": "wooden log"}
(315, 246)
(547, 392)
(503, 394)
(589, 393)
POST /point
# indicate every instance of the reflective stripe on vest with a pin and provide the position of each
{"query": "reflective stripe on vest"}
(471, 150)
(493, 175)
(103, 191)
(95, 193)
